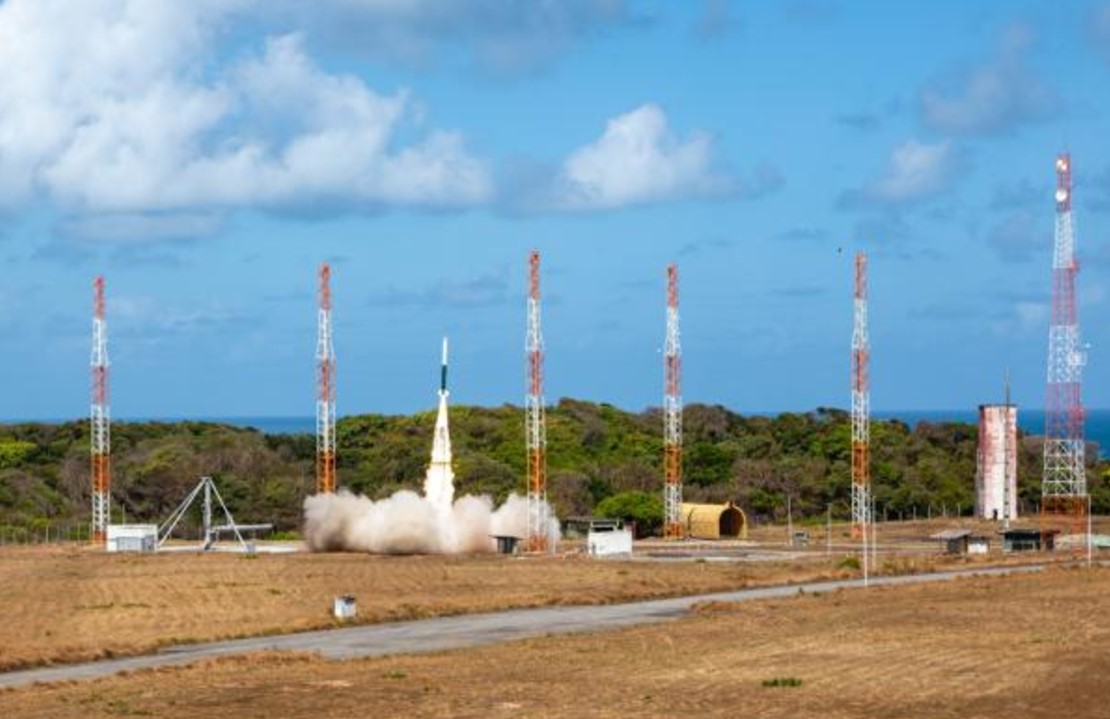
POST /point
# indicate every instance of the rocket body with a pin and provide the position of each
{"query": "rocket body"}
(439, 482)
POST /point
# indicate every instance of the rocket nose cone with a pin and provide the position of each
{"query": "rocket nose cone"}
(443, 369)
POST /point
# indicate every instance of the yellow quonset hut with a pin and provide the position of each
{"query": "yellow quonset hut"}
(714, 521)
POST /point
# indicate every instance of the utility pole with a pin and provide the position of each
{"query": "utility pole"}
(828, 529)
(789, 522)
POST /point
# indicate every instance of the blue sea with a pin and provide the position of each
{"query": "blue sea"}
(1030, 421)
(268, 425)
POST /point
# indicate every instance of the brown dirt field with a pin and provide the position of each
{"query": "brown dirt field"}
(71, 604)
(1031, 646)
(907, 533)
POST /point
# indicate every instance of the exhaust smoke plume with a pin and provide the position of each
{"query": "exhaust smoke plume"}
(407, 523)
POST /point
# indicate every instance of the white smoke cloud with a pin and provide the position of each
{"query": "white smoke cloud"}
(407, 523)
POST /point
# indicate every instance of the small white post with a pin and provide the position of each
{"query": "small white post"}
(828, 529)
(789, 523)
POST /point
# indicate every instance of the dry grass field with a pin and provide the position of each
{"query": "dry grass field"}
(71, 604)
(1031, 646)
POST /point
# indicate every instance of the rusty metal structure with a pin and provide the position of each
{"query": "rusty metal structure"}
(1064, 478)
(672, 414)
(325, 389)
(100, 421)
(861, 410)
(539, 521)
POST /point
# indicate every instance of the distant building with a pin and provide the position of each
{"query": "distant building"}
(1028, 540)
(713, 521)
(609, 542)
(997, 461)
(962, 541)
(132, 537)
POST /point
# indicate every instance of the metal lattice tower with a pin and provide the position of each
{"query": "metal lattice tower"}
(325, 390)
(1064, 480)
(535, 429)
(672, 414)
(99, 420)
(861, 410)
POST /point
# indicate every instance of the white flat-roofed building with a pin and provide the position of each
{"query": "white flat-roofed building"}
(132, 537)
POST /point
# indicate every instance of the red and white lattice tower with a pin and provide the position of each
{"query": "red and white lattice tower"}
(672, 414)
(100, 421)
(325, 390)
(861, 409)
(537, 539)
(1064, 481)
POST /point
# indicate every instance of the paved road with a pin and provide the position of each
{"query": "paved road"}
(428, 635)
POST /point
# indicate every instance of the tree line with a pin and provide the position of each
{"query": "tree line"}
(595, 452)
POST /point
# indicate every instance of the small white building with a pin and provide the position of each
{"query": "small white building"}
(132, 537)
(344, 607)
(997, 461)
(962, 541)
(978, 545)
(609, 542)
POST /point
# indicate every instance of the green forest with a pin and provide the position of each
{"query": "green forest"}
(595, 452)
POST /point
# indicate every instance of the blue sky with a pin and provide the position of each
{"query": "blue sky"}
(206, 157)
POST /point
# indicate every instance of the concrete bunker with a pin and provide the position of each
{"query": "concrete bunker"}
(714, 521)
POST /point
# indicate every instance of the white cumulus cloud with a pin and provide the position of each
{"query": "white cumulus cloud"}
(914, 171)
(129, 107)
(638, 160)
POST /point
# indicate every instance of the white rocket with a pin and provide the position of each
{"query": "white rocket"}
(439, 482)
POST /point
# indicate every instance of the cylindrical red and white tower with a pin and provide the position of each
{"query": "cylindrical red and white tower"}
(996, 475)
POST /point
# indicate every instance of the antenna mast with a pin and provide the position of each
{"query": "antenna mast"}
(672, 414)
(325, 390)
(861, 411)
(99, 420)
(1064, 481)
(536, 437)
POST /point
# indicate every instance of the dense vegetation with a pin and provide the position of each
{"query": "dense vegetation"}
(595, 451)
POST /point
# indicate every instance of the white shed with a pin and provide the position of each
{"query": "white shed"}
(612, 542)
(132, 537)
